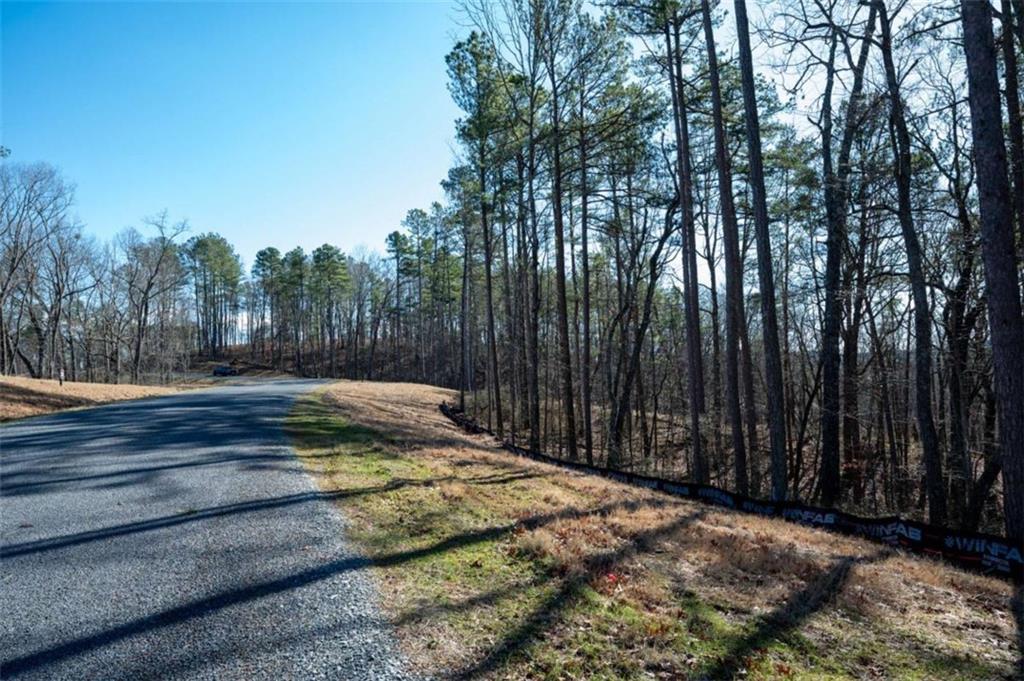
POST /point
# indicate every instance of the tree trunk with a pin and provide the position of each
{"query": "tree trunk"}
(836, 194)
(766, 277)
(1002, 287)
(1016, 125)
(533, 325)
(733, 274)
(564, 357)
(588, 432)
(464, 384)
(695, 365)
(492, 338)
(919, 291)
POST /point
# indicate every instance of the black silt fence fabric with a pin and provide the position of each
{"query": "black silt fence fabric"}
(975, 551)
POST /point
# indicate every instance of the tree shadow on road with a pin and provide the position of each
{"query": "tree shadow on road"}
(190, 516)
(140, 442)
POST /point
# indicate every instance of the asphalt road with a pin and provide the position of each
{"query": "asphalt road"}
(178, 538)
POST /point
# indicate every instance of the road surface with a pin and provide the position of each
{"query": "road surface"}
(178, 538)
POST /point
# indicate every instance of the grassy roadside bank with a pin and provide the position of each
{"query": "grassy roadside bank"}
(22, 397)
(491, 566)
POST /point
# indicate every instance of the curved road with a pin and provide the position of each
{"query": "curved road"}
(178, 538)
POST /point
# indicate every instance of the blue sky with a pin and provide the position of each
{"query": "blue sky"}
(271, 123)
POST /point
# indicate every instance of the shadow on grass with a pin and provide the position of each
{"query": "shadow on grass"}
(320, 417)
(548, 613)
(789, 616)
(483, 600)
(45, 401)
(315, 425)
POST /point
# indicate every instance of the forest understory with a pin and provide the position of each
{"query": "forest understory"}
(661, 445)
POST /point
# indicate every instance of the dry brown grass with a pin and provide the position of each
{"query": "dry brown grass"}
(631, 583)
(21, 397)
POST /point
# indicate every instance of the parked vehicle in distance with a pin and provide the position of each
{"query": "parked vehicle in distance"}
(225, 370)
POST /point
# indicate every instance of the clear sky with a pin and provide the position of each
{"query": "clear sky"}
(271, 123)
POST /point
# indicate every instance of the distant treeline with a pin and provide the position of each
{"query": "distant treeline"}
(141, 308)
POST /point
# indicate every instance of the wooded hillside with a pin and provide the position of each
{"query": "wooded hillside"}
(779, 252)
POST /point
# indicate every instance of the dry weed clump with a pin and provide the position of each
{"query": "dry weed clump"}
(453, 491)
(540, 545)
